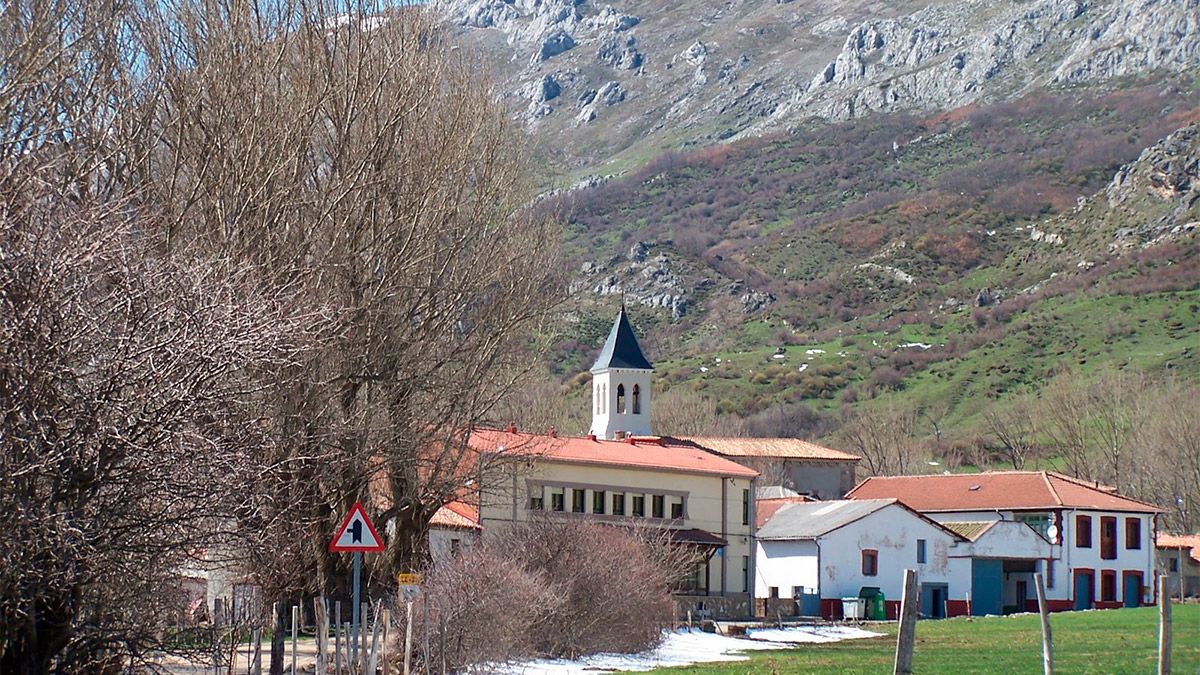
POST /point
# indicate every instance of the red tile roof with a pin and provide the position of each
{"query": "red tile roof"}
(1016, 490)
(456, 515)
(1186, 541)
(785, 448)
(650, 453)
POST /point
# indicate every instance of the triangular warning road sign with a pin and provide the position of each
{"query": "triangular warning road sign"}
(357, 534)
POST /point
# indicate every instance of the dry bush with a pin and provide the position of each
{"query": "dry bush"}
(483, 606)
(559, 589)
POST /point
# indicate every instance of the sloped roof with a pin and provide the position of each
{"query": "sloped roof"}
(786, 448)
(456, 515)
(809, 520)
(652, 454)
(765, 508)
(1185, 541)
(1016, 490)
(972, 530)
(621, 349)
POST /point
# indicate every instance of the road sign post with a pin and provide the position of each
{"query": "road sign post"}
(357, 535)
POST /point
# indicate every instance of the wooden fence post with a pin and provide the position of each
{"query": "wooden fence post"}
(256, 656)
(1047, 643)
(322, 636)
(408, 637)
(337, 637)
(295, 626)
(1164, 626)
(907, 635)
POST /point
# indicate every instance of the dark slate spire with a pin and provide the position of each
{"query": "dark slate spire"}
(621, 349)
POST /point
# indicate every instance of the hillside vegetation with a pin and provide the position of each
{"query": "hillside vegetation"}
(941, 264)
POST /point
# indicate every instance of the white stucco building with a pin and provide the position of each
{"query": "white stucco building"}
(821, 552)
(1103, 555)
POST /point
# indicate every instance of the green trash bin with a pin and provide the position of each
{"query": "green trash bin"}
(876, 609)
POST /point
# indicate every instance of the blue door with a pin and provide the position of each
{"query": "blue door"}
(1133, 590)
(933, 600)
(987, 586)
(1085, 588)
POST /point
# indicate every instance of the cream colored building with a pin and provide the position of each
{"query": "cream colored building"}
(621, 475)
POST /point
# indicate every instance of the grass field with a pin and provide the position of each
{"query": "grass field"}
(1102, 642)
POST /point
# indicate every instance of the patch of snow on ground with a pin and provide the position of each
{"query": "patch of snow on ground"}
(814, 351)
(810, 634)
(803, 367)
(682, 648)
(920, 345)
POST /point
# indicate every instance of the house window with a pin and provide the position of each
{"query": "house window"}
(557, 500)
(577, 501)
(1108, 538)
(455, 545)
(1083, 531)
(603, 399)
(1133, 533)
(746, 573)
(774, 592)
(870, 562)
(621, 399)
(537, 502)
(598, 396)
(920, 550)
(639, 505)
(677, 509)
(1108, 585)
(659, 505)
(1173, 565)
(598, 498)
(745, 507)
(637, 400)
(1040, 522)
(618, 504)
(1050, 573)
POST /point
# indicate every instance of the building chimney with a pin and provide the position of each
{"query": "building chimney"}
(619, 435)
(591, 437)
(512, 429)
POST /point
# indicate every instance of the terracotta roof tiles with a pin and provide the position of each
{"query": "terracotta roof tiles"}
(787, 448)
(649, 453)
(1012, 490)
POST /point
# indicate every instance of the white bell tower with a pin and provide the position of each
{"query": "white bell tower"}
(621, 385)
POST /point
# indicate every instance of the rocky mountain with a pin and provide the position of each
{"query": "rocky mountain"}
(616, 83)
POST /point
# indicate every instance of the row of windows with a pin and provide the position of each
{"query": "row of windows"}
(1108, 535)
(607, 503)
(622, 404)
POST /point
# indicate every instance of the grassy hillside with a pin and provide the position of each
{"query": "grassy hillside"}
(948, 261)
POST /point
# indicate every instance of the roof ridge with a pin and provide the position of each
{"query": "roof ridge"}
(1053, 492)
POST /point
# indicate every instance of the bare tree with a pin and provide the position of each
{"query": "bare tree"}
(375, 170)
(1013, 426)
(126, 427)
(883, 435)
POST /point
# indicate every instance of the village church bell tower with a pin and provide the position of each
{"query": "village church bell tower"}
(621, 385)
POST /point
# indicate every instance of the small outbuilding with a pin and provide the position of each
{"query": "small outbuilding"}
(818, 553)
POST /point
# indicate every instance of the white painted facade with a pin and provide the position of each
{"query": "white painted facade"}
(833, 562)
(620, 402)
(1069, 557)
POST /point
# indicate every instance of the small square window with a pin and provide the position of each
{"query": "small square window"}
(677, 509)
(618, 504)
(870, 563)
(557, 501)
(639, 505)
(536, 501)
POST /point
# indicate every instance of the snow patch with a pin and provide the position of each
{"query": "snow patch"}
(814, 351)
(810, 634)
(680, 648)
(919, 345)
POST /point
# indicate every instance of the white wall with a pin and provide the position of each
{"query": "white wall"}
(892, 531)
(441, 540)
(785, 565)
(607, 419)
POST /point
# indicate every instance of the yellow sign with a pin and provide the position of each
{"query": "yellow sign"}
(408, 579)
